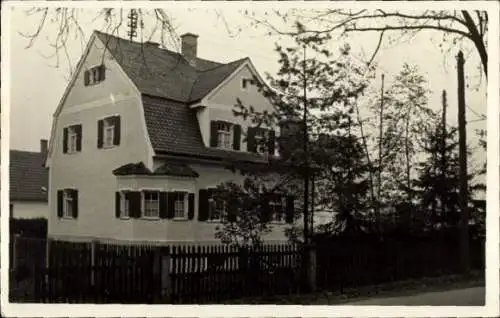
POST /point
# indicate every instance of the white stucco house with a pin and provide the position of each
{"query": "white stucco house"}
(141, 137)
(29, 184)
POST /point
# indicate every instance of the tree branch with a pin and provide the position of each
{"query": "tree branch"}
(409, 27)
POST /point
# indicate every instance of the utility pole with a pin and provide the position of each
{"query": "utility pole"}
(443, 153)
(381, 133)
(132, 24)
(306, 161)
(464, 211)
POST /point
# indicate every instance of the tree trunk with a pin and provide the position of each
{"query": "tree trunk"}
(478, 40)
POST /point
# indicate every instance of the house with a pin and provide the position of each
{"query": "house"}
(142, 136)
(29, 183)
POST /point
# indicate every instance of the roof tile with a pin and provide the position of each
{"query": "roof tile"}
(28, 176)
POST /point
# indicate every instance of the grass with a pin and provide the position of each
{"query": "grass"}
(396, 289)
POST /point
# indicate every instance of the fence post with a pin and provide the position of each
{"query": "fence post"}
(243, 267)
(312, 268)
(92, 262)
(163, 259)
(15, 238)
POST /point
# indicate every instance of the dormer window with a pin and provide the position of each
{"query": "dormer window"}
(225, 135)
(261, 140)
(260, 137)
(94, 75)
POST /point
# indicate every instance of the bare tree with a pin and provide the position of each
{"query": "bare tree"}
(454, 25)
(61, 26)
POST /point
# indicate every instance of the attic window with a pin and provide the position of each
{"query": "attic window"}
(246, 82)
(95, 75)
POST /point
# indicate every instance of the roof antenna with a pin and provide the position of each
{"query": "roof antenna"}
(132, 24)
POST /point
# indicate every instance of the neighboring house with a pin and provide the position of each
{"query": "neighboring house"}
(29, 181)
(141, 137)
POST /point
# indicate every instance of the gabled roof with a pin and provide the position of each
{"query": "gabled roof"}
(164, 73)
(28, 176)
(169, 84)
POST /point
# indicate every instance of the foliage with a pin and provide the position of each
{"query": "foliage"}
(437, 184)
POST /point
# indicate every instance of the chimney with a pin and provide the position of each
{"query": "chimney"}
(43, 146)
(189, 46)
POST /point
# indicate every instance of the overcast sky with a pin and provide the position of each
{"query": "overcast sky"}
(37, 86)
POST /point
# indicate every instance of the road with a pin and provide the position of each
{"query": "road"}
(459, 297)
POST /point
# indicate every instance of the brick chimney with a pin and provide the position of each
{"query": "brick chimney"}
(189, 46)
(44, 146)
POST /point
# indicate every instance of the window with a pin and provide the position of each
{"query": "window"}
(72, 139)
(224, 135)
(246, 82)
(151, 204)
(180, 205)
(260, 137)
(94, 75)
(109, 133)
(124, 205)
(68, 204)
(277, 209)
(217, 209)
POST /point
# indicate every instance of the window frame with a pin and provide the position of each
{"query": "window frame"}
(144, 192)
(185, 204)
(260, 134)
(72, 142)
(212, 207)
(67, 208)
(108, 126)
(124, 205)
(273, 204)
(229, 133)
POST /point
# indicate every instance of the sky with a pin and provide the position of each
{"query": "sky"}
(37, 85)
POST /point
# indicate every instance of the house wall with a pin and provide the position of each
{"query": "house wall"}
(90, 171)
(178, 231)
(29, 210)
(221, 105)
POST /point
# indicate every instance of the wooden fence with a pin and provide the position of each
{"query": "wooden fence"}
(110, 273)
(107, 273)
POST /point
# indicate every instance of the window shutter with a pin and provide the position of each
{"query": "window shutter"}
(203, 205)
(65, 140)
(100, 130)
(86, 78)
(135, 206)
(78, 130)
(74, 195)
(271, 142)
(117, 204)
(236, 137)
(290, 209)
(163, 205)
(213, 133)
(191, 206)
(251, 146)
(102, 72)
(60, 195)
(265, 208)
(171, 205)
(116, 140)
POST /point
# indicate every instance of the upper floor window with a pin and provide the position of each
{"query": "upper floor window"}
(72, 139)
(94, 75)
(261, 140)
(108, 134)
(246, 82)
(225, 135)
(67, 203)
